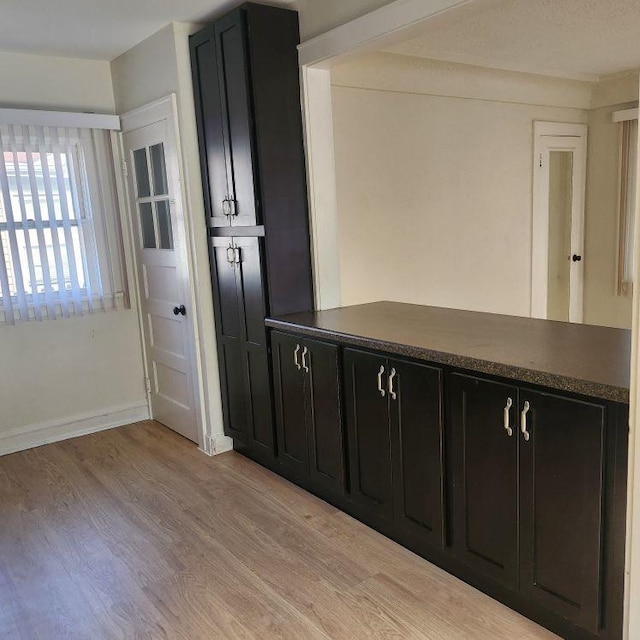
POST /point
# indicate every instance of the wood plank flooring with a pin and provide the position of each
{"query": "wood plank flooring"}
(134, 533)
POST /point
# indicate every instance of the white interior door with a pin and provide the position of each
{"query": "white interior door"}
(163, 276)
(560, 167)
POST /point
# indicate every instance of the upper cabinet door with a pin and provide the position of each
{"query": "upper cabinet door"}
(416, 435)
(240, 204)
(367, 414)
(206, 86)
(562, 499)
(485, 471)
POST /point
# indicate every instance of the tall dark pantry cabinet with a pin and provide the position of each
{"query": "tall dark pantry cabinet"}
(247, 95)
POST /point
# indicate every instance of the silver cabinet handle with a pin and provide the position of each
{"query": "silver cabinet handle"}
(230, 254)
(507, 407)
(380, 374)
(226, 207)
(392, 393)
(523, 421)
(304, 361)
(237, 256)
(233, 208)
(295, 357)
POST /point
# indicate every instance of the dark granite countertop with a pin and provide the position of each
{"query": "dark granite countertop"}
(585, 359)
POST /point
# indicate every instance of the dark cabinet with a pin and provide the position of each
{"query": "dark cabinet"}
(394, 423)
(416, 418)
(247, 99)
(308, 411)
(485, 477)
(529, 473)
(562, 471)
(242, 341)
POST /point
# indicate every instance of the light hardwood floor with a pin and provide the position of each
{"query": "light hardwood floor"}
(134, 533)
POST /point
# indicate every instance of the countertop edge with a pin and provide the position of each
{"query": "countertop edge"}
(541, 378)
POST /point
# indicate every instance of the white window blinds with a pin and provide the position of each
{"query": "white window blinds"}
(60, 249)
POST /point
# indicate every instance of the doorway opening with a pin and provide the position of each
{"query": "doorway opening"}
(559, 182)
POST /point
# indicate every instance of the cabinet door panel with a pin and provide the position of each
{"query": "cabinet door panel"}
(239, 144)
(417, 431)
(232, 381)
(250, 274)
(562, 489)
(210, 128)
(326, 442)
(227, 300)
(289, 390)
(368, 432)
(485, 487)
(259, 397)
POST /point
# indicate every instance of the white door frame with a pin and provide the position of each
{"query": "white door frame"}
(557, 136)
(376, 30)
(165, 109)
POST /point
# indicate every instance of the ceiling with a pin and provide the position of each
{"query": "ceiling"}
(582, 39)
(96, 29)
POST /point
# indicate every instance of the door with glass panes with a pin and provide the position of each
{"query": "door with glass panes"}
(154, 194)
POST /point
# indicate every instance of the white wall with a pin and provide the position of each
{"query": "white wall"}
(318, 16)
(156, 67)
(602, 304)
(434, 179)
(54, 371)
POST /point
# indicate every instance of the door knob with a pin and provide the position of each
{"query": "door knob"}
(179, 311)
(576, 258)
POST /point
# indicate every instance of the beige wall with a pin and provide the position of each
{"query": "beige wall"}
(435, 183)
(602, 305)
(55, 370)
(47, 82)
(153, 69)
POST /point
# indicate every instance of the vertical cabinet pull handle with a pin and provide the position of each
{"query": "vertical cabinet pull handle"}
(237, 256)
(226, 207)
(231, 256)
(233, 208)
(380, 374)
(304, 361)
(392, 393)
(295, 357)
(523, 421)
(507, 426)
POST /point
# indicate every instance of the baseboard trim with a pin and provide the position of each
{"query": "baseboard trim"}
(35, 435)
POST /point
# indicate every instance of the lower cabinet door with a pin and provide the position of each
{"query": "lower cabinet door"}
(367, 414)
(485, 471)
(289, 390)
(324, 416)
(561, 513)
(231, 357)
(416, 435)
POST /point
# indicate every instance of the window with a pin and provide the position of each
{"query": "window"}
(627, 199)
(58, 223)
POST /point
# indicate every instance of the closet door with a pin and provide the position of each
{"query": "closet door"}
(239, 144)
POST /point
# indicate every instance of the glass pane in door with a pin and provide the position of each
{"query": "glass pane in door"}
(560, 206)
(147, 226)
(164, 224)
(142, 173)
(158, 169)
